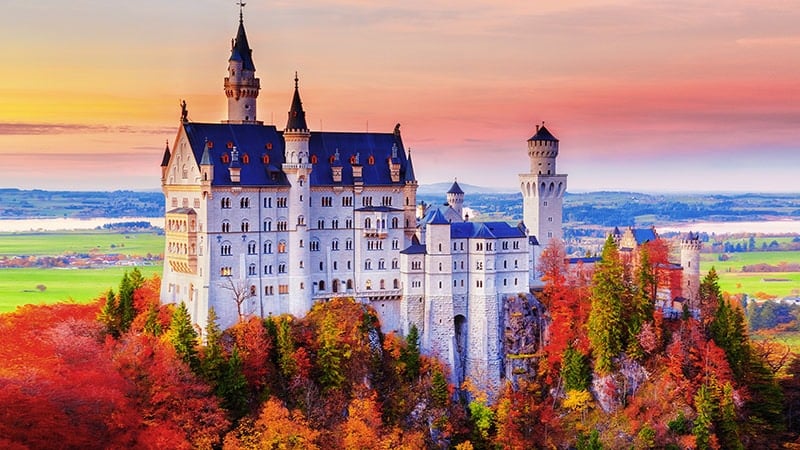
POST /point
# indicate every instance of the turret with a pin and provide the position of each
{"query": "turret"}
(241, 84)
(690, 262)
(298, 171)
(542, 151)
(206, 169)
(455, 198)
(165, 163)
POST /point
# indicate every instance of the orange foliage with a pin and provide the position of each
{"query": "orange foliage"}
(275, 427)
(254, 345)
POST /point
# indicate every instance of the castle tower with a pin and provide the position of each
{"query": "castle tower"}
(543, 192)
(455, 198)
(690, 261)
(410, 210)
(437, 336)
(241, 84)
(298, 169)
(165, 164)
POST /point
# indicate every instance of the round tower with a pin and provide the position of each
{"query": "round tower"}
(298, 171)
(241, 84)
(542, 151)
(455, 198)
(690, 262)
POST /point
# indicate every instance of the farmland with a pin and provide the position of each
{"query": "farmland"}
(22, 285)
(733, 279)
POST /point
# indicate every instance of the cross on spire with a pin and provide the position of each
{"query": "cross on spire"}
(241, 10)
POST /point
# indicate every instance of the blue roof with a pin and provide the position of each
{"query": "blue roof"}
(543, 134)
(168, 155)
(297, 117)
(484, 230)
(437, 218)
(455, 189)
(644, 235)
(241, 49)
(378, 209)
(416, 248)
(257, 141)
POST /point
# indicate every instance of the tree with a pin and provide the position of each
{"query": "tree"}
(331, 354)
(212, 361)
(728, 330)
(606, 326)
(109, 315)
(409, 355)
(705, 404)
(710, 295)
(240, 292)
(125, 306)
(183, 337)
(575, 371)
(232, 386)
(152, 325)
(275, 428)
(641, 308)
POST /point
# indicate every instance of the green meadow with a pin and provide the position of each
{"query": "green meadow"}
(734, 281)
(58, 243)
(20, 286)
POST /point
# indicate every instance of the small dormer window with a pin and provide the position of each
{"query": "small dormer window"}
(245, 159)
(353, 159)
(371, 160)
(330, 160)
(210, 144)
(313, 159)
(265, 159)
(268, 146)
(225, 158)
(230, 144)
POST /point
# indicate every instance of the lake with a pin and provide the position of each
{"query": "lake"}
(767, 226)
(61, 224)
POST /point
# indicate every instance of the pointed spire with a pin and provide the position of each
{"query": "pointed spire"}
(408, 175)
(241, 49)
(167, 156)
(455, 188)
(297, 117)
(205, 160)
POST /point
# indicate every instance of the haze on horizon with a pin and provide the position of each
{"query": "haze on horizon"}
(644, 95)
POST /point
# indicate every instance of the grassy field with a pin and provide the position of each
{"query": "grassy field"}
(57, 243)
(19, 286)
(733, 280)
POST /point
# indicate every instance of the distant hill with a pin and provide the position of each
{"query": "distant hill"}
(441, 189)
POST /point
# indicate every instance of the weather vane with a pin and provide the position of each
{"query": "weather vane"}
(241, 9)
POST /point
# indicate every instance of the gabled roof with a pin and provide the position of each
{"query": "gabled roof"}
(257, 141)
(241, 49)
(437, 218)
(484, 230)
(189, 211)
(455, 189)
(644, 235)
(543, 134)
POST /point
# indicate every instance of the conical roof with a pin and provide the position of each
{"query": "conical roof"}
(297, 117)
(241, 49)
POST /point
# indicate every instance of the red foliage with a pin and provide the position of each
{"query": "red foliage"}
(254, 344)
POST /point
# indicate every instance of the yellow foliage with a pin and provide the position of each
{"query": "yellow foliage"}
(577, 400)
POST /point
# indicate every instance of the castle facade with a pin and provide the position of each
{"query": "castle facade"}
(266, 221)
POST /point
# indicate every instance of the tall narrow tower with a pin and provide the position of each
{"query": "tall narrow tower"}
(543, 192)
(455, 198)
(241, 84)
(298, 170)
(690, 261)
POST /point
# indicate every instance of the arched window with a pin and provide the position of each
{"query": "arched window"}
(321, 285)
(396, 284)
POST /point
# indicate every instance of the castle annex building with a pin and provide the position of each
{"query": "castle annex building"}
(266, 221)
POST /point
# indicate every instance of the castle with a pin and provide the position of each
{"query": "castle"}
(262, 221)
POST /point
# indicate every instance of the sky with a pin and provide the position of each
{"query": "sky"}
(643, 95)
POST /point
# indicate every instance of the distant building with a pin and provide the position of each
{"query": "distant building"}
(266, 221)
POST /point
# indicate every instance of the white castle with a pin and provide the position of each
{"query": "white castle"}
(262, 222)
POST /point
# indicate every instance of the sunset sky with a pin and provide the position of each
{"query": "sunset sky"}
(644, 95)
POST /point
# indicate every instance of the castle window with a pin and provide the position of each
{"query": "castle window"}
(321, 285)
(314, 245)
(395, 264)
(225, 271)
(440, 267)
(335, 224)
(269, 290)
(505, 282)
(381, 265)
(282, 247)
(245, 226)
(368, 265)
(335, 265)
(348, 223)
(321, 266)
(282, 225)
(245, 159)
(268, 269)
(395, 244)
(244, 202)
(282, 202)
(251, 270)
(224, 203)
(282, 268)
(268, 146)
(268, 247)
(225, 249)
(505, 264)
(226, 227)
(268, 202)
(267, 225)
(348, 244)
(479, 283)
(369, 284)
(479, 246)
(371, 160)
(313, 159)
(321, 224)
(382, 284)
(544, 203)
(367, 223)
(461, 247)
(265, 159)
(396, 284)
(516, 264)
(301, 243)
(349, 265)
(283, 289)
(335, 245)
(225, 158)
(301, 220)
(479, 265)
(251, 248)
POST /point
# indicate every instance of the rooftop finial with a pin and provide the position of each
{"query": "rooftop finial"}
(241, 10)
(295, 79)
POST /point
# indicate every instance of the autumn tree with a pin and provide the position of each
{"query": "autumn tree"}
(575, 371)
(729, 331)
(409, 354)
(232, 385)
(275, 428)
(642, 297)
(239, 292)
(710, 295)
(109, 316)
(606, 325)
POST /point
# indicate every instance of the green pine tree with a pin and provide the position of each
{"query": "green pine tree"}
(109, 315)
(232, 386)
(212, 364)
(729, 332)
(439, 391)
(606, 325)
(727, 426)
(183, 337)
(710, 294)
(152, 325)
(331, 354)
(575, 370)
(705, 405)
(410, 354)
(125, 306)
(642, 303)
(285, 348)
